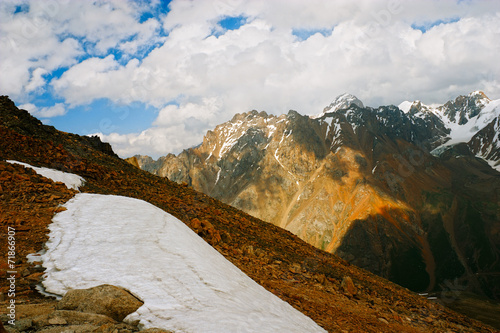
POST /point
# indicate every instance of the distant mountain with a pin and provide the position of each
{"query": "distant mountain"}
(463, 119)
(343, 101)
(366, 184)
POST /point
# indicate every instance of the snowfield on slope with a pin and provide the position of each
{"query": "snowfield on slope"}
(186, 285)
(69, 179)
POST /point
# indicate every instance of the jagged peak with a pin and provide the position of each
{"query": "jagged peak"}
(480, 94)
(416, 107)
(477, 97)
(406, 105)
(340, 102)
(249, 115)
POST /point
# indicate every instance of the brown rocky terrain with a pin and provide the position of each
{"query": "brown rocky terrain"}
(337, 295)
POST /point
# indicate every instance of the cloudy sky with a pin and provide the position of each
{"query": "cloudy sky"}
(153, 76)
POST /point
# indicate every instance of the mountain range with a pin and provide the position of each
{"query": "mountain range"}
(408, 192)
(336, 295)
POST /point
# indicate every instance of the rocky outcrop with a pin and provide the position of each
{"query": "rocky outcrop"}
(464, 108)
(133, 160)
(107, 300)
(95, 142)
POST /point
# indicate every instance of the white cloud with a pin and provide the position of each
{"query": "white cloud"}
(30, 107)
(36, 80)
(96, 78)
(262, 62)
(176, 128)
(372, 52)
(53, 34)
(108, 24)
(56, 110)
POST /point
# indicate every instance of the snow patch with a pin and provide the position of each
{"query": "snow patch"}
(231, 136)
(493, 164)
(271, 129)
(341, 102)
(334, 128)
(35, 257)
(186, 285)
(71, 180)
(218, 176)
(210, 155)
(405, 106)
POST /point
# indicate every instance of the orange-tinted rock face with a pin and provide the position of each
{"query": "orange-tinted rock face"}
(358, 182)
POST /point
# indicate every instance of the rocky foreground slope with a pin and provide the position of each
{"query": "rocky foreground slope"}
(409, 193)
(336, 295)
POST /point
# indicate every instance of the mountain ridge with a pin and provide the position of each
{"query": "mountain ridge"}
(352, 180)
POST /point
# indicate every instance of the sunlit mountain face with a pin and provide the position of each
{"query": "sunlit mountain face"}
(409, 193)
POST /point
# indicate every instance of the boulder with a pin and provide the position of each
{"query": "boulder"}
(348, 286)
(111, 301)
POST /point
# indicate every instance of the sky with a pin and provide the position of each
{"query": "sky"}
(151, 77)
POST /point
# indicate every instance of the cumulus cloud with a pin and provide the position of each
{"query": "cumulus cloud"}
(36, 80)
(95, 78)
(46, 35)
(382, 51)
(265, 65)
(175, 128)
(46, 112)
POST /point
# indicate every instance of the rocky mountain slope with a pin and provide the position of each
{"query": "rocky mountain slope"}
(338, 296)
(366, 184)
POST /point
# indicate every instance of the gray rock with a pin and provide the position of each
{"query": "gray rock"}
(21, 325)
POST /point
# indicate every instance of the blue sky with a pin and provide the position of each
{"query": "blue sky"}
(425, 26)
(151, 77)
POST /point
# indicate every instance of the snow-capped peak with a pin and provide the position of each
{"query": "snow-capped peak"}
(480, 94)
(341, 102)
(406, 106)
(417, 106)
(464, 118)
